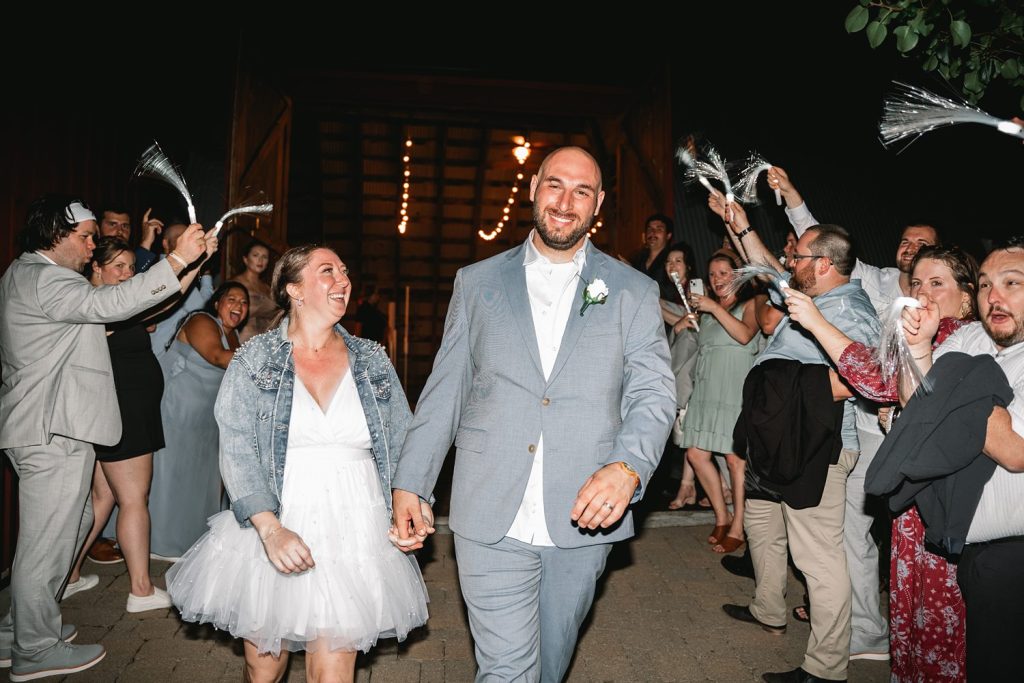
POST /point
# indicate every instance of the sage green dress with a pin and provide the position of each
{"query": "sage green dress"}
(722, 365)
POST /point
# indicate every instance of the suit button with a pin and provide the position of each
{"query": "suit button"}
(532, 448)
(546, 401)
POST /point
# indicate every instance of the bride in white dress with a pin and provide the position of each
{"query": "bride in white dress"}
(315, 570)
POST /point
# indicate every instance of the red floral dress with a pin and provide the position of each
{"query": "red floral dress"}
(927, 641)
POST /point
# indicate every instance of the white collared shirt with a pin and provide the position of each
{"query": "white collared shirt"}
(1000, 513)
(551, 288)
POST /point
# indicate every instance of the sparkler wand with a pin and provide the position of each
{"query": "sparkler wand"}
(752, 271)
(682, 295)
(894, 354)
(245, 209)
(154, 164)
(747, 185)
(912, 112)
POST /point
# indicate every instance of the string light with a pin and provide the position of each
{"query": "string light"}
(598, 224)
(403, 220)
(521, 152)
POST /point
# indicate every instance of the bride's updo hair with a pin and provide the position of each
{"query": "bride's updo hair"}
(288, 271)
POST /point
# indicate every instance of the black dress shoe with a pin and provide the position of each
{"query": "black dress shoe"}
(742, 613)
(797, 675)
(740, 566)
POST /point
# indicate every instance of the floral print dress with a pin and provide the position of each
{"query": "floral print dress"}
(927, 618)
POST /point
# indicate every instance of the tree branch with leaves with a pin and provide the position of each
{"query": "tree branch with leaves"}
(970, 43)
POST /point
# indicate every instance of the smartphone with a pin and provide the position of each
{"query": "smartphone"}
(697, 286)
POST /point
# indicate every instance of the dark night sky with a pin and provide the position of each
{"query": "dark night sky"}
(810, 100)
(782, 78)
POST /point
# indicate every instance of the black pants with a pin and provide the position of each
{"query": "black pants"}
(991, 578)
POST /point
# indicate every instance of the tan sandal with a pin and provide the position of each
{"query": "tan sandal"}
(718, 533)
(729, 545)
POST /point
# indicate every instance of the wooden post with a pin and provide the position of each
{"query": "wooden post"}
(405, 340)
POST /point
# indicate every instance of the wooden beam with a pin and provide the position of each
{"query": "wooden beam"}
(478, 206)
(458, 94)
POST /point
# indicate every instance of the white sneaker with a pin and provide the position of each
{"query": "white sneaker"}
(160, 599)
(84, 583)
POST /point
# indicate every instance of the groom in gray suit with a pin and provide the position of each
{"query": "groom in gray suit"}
(553, 380)
(56, 400)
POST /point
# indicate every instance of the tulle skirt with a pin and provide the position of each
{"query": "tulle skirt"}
(361, 589)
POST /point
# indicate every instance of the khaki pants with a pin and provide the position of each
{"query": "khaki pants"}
(816, 540)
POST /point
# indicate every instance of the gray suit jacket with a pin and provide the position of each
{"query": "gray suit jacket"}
(57, 378)
(610, 397)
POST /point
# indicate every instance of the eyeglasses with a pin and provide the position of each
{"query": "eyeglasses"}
(800, 257)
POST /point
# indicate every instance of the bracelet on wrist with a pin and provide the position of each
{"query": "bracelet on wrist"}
(740, 234)
(272, 532)
(183, 262)
(633, 473)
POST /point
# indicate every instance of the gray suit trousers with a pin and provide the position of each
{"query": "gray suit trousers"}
(526, 604)
(53, 492)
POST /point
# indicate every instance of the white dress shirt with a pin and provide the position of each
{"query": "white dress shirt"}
(552, 289)
(1000, 512)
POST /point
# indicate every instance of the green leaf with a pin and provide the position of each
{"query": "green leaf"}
(926, 29)
(1022, 102)
(931, 63)
(876, 34)
(944, 71)
(1010, 69)
(917, 22)
(971, 82)
(961, 33)
(906, 38)
(857, 19)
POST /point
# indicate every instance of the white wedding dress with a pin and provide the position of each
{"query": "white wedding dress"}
(361, 589)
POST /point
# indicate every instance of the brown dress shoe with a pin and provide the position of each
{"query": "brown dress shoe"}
(104, 551)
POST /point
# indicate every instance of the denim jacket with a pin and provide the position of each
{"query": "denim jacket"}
(254, 407)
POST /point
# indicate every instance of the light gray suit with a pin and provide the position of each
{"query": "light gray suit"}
(56, 400)
(610, 396)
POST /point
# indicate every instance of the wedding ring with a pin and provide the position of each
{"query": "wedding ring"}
(608, 505)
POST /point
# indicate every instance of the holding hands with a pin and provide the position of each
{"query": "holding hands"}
(413, 521)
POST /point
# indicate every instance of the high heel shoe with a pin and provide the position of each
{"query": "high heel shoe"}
(686, 496)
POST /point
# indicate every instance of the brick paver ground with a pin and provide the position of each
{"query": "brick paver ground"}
(657, 617)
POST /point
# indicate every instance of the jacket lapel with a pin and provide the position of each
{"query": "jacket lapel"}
(513, 276)
(592, 269)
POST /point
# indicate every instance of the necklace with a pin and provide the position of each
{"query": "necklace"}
(315, 349)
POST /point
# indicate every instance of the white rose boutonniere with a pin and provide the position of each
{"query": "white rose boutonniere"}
(594, 293)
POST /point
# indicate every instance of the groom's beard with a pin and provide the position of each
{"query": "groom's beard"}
(560, 242)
